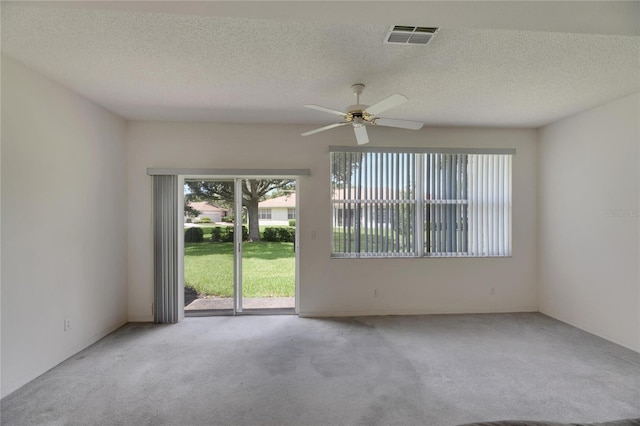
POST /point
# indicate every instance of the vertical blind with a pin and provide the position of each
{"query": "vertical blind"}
(374, 204)
(165, 249)
(490, 205)
(445, 204)
(390, 204)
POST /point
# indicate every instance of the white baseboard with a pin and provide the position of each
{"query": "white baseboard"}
(141, 318)
(312, 314)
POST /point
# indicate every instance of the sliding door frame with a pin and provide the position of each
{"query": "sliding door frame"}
(237, 243)
(238, 177)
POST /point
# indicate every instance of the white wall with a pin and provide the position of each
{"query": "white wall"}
(63, 224)
(341, 286)
(279, 217)
(589, 224)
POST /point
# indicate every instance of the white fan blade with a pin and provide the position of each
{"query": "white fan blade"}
(361, 135)
(403, 124)
(388, 103)
(322, 129)
(325, 109)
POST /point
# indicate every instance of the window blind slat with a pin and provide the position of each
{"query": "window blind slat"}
(399, 245)
(407, 159)
(500, 223)
(434, 205)
(459, 207)
(473, 226)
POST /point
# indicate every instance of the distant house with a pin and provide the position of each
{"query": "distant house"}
(278, 210)
(214, 213)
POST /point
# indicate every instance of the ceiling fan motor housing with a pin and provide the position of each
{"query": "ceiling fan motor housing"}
(357, 113)
(356, 108)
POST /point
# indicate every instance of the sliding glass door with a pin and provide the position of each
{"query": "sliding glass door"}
(268, 263)
(239, 252)
(209, 261)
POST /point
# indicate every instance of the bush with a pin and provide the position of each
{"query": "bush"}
(227, 235)
(292, 222)
(205, 220)
(189, 220)
(194, 235)
(227, 219)
(216, 234)
(281, 234)
(270, 234)
(285, 235)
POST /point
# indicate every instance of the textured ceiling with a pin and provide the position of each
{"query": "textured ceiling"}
(209, 67)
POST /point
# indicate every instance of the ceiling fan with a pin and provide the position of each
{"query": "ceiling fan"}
(359, 115)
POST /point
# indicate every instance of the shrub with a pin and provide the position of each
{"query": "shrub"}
(270, 234)
(189, 220)
(280, 234)
(227, 219)
(216, 234)
(284, 234)
(227, 235)
(292, 222)
(205, 220)
(194, 235)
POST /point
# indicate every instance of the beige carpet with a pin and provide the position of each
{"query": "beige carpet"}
(438, 370)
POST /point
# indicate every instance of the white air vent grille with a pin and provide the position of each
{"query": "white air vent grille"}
(400, 34)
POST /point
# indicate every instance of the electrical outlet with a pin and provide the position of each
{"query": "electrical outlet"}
(67, 324)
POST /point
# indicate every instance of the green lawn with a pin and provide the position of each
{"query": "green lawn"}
(268, 269)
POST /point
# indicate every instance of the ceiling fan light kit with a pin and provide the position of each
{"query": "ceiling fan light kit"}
(360, 115)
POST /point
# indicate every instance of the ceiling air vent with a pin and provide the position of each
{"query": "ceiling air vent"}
(400, 34)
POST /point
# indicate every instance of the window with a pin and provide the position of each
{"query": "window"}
(264, 214)
(407, 203)
(291, 214)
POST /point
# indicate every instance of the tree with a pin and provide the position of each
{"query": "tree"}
(344, 166)
(190, 211)
(253, 191)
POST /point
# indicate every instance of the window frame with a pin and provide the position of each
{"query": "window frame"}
(423, 205)
(264, 214)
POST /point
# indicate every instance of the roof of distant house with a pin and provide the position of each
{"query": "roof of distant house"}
(205, 207)
(288, 201)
